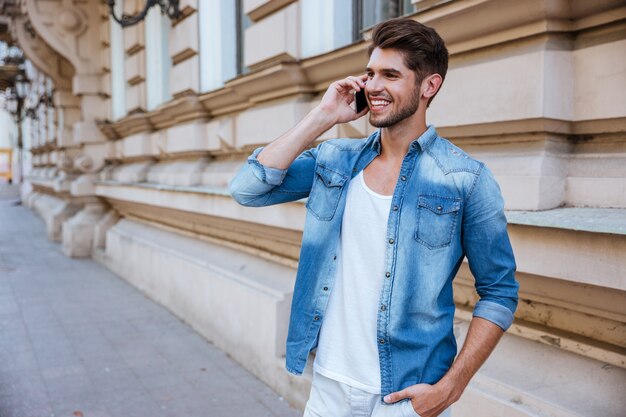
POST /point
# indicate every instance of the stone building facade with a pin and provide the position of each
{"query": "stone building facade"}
(147, 124)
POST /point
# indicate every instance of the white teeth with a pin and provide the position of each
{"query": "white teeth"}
(380, 102)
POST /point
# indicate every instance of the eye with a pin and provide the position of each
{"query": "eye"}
(370, 75)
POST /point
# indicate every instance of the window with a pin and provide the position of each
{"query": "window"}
(325, 25)
(330, 24)
(158, 61)
(243, 23)
(118, 84)
(218, 42)
(375, 11)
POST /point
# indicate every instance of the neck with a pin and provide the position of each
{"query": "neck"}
(396, 139)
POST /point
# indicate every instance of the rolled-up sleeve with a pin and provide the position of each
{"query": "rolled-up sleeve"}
(257, 185)
(489, 252)
(270, 176)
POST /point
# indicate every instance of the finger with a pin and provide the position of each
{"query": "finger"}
(394, 397)
(363, 113)
(360, 80)
(356, 84)
(356, 81)
(347, 85)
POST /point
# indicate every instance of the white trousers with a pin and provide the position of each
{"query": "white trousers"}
(330, 398)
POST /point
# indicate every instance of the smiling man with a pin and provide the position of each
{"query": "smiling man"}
(389, 220)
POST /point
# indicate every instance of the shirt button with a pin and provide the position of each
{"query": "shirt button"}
(395, 208)
(403, 178)
(316, 318)
(335, 258)
(381, 341)
(439, 208)
(325, 288)
(383, 308)
(388, 274)
(391, 241)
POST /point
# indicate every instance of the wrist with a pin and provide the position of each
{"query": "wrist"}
(324, 117)
(452, 387)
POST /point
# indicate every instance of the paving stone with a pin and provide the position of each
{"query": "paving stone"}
(21, 406)
(77, 340)
(138, 406)
(79, 407)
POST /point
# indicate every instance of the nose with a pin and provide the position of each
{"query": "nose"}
(374, 85)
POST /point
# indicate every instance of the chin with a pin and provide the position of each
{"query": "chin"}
(379, 122)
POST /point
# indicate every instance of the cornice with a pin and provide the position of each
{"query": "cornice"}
(130, 125)
(7, 74)
(45, 148)
(108, 129)
(265, 8)
(574, 131)
(501, 21)
(239, 93)
(178, 111)
(281, 245)
(473, 24)
(284, 79)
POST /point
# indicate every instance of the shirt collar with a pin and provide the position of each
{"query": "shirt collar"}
(424, 141)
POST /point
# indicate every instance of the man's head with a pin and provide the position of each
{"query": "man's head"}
(424, 51)
(417, 49)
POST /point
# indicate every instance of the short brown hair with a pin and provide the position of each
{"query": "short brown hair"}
(424, 51)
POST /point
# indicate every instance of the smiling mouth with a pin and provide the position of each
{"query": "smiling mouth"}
(378, 104)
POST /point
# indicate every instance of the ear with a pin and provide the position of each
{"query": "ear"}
(430, 85)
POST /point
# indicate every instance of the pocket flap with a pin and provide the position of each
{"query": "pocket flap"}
(329, 177)
(438, 204)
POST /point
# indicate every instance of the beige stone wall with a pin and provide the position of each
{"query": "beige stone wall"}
(535, 90)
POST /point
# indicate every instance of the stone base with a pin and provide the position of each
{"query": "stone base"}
(53, 210)
(241, 304)
(84, 185)
(78, 232)
(238, 302)
(100, 229)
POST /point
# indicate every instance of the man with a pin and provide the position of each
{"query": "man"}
(389, 220)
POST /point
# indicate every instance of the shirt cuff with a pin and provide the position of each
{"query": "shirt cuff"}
(271, 176)
(494, 312)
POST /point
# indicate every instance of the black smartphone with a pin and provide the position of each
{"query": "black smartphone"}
(361, 101)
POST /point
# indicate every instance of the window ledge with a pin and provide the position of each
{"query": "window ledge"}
(594, 220)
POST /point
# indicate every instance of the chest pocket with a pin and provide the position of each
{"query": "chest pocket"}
(436, 220)
(325, 193)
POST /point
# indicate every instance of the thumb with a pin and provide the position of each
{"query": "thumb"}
(394, 397)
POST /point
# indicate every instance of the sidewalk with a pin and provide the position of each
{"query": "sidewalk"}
(75, 340)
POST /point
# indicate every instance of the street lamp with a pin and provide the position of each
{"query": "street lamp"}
(168, 7)
(21, 84)
(15, 105)
(11, 102)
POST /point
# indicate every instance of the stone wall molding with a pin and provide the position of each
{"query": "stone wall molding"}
(44, 57)
(70, 27)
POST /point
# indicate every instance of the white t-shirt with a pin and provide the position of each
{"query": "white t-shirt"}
(347, 351)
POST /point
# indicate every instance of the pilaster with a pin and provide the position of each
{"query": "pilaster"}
(183, 48)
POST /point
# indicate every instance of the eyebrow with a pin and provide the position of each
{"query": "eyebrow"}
(387, 70)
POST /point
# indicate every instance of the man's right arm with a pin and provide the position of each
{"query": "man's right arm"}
(281, 171)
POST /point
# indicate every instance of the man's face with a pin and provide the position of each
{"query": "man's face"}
(391, 89)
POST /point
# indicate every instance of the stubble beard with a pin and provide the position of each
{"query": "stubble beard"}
(400, 114)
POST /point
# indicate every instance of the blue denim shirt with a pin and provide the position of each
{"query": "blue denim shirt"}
(446, 206)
